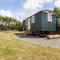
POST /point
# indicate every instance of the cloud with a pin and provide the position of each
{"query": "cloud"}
(34, 4)
(57, 3)
(31, 7)
(9, 13)
(6, 13)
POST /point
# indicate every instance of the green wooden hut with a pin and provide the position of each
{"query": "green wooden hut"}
(43, 21)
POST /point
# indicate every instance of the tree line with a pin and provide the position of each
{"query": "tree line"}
(9, 23)
(57, 12)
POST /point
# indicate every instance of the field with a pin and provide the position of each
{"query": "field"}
(13, 49)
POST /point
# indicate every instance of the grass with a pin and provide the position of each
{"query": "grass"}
(13, 49)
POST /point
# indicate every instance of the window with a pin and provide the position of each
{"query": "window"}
(28, 23)
(50, 17)
(33, 19)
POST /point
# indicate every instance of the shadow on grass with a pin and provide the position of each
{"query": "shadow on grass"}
(22, 35)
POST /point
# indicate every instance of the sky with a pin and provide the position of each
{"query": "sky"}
(21, 9)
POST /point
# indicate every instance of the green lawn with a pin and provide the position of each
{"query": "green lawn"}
(13, 49)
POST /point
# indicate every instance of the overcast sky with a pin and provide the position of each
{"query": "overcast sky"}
(21, 9)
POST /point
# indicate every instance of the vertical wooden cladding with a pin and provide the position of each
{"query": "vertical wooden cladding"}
(47, 23)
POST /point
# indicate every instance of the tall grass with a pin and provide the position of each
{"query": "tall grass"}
(13, 49)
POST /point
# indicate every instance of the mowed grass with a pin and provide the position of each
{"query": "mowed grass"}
(13, 49)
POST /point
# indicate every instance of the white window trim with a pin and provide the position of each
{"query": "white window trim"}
(50, 17)
(33, 19)
(28, 23)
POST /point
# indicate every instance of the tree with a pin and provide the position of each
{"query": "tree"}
(9, 23)
(57, 12)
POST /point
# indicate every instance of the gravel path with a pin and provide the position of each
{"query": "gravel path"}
(42, 41)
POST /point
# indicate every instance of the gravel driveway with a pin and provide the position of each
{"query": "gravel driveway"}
(42, 41)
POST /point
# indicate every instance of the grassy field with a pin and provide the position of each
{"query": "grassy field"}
(13, 49)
